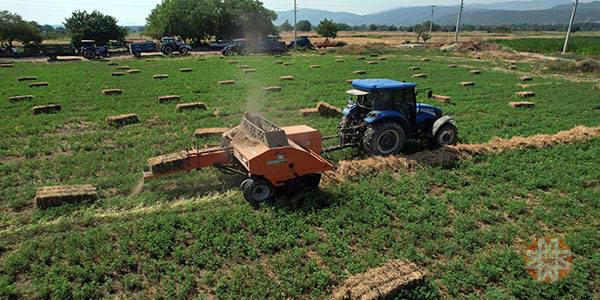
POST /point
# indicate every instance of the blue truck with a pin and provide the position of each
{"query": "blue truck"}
(269, 45)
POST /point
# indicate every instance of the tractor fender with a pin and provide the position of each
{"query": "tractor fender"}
(438, 124)
(377, 115)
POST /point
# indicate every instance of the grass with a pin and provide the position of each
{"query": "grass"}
(192, 235)
(580, 45)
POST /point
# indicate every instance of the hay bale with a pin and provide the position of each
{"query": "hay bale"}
(191, 106)
(339, 60)
(38, 84)
(380, 283)
(134, 71)
(305, 112)
(475, 72)
(596, 87)
(420, 76)
(112, 92)
(28, 78)
(226, 82)
(351, 80)
(47, 109)
(168, 98)
(117, 74)
(525, 78)
(315, 66)
(123, 119)
(425, 59)
(166, 163)
(360, 58)
(525, 94)
(123, 68)
(452, 66)
(372, 62)
(160, 76)
(243, 67)
(414, 68)
(443, 99)
(359, 72)
(232, 62)
(373, 55)
(7, 66)
(112, 63)
(52, 196)
(278, 63)
(513, 67)
(328, 110)
(20, 98)
(186, 70)
(210, 132)
(467, 83)
(288, 64)
(249, 71)
(283, 78)
(513, 62)
(522, 104)
(272, 89)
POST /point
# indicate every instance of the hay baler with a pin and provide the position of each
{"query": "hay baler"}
(269, 156)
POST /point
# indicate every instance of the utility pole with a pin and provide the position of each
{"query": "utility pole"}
(460, 10)
(570, 27)
(295, 34)
(431, 25)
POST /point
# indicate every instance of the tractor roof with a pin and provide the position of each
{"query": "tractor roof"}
(371, 85)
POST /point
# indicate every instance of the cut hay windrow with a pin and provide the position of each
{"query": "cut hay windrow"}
(123, 68)
(121, 120)
(306, 112)
(112, 92)
(232, 62)
(7, 66)
(328, 110)
(420, 76)
(243, 67)
(226, 82)
(134, 71)
(525, 94)
(288, 64)
(359, 72)
(272, 89)
(38, 84)
(380, 283)
(339, 60)
(360, 58)
(425, 59)
(210, 132)
(52, 196)
(283, 78)
(27, 78)
(467, 83)
(117, 74)
(443, 99)
(475, 72)
(191, 106)
(186, 70)
(374, 165)
(20, 98)
(452, 66)
(372, 62)
(414, 68)
(315, 66)
(351, 80)
(525, 78)
(168, 98)
(46, 109)
(522, 104)
(249, 71)
(160, 76)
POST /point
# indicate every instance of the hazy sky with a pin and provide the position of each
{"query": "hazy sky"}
(134, 12)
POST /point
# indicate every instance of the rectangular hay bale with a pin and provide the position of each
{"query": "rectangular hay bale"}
(243, 67)
(186, 70)
(160, 76)
(272, 89)
(191, 106)
(525, 78)
(359, 72)
(282, 78)
(475, 72)
(351, 80)
(168, 98)
(232, 62)
(52, 196)
(452, 66)
(166, 163)
(38, 84)
(47, 109)
(420, 76)
(522, 104)
(414, 68)
(360, 58)
(426, 59)
(249, 71)
(467, 83)
(134, 71)
(328, 110)
(7, 66)
(226, 82)
(288, 64)
(27, 78)
(315, 66)
(20, 98)
(525, 94)
(112, 92)
(443, 99)
(117, 74)
(123, 68)
(372, 62)
(339, 60)
(123, 119)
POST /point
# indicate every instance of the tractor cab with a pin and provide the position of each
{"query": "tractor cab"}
(382, 113)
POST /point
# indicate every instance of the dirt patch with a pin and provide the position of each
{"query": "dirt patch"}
(525, 94)
(27, 78)
(121, 120)
(191, 106)
(51, 196)
(522, 104)
(380, 283)
(47, 109)
(328, 110)
(20, 98)
(38, 84)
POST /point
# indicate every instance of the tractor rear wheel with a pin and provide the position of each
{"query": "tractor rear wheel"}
(89, 54)
(229, 53)
(258, 190)
(184, 50)
(384, 138)
(167, 50)
(245, 51)
(446, 135)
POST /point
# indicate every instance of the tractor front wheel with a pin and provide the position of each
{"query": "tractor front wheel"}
(257, 190)
(384, 138)
(446, 135)
(89, 54)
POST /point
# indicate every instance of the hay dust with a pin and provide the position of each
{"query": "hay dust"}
(137, 189)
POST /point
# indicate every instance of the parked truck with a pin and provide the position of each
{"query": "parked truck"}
(270, 45)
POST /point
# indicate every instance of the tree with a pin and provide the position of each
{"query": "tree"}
(372, 27)
(93, 26)
(327, 29)
(286, 26)
(422, 31)
(303, 25)
(343, 27)
(14, 28)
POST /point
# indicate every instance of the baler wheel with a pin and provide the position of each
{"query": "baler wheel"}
(258, 190)
(310, 181)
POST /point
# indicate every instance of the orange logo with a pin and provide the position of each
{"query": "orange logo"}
(548, 259)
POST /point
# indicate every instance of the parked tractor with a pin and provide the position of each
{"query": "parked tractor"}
(270, 45)
(90, 50)
(302, 41)
(383, 113)
(170, 45)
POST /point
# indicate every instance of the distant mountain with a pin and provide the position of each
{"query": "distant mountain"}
(513, 12)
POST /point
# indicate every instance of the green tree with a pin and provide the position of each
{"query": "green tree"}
(93, 26)
(343, 27)
(372, 27)
(303, 25)
(327, 29)
(14, 28)
(286, 26)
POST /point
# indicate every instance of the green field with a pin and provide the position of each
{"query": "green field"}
(192, 235)
(580, 45)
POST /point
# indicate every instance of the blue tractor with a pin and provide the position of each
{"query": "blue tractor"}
(383, 113)
(91, 50)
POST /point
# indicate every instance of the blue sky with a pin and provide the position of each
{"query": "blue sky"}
(134, 12)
